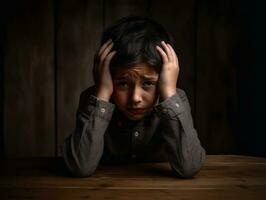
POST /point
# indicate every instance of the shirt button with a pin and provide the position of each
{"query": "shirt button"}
(136, 134)
(102, 110)
(177, 105)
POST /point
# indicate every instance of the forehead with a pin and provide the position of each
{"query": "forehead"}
(137, 70)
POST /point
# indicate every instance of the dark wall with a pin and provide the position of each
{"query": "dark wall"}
(251, 78)
(47, 50)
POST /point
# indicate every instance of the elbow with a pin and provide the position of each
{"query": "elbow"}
(79, 171)
(188, 173)
(76, 166)
(188, 169)
(83, 173)
(184, 172)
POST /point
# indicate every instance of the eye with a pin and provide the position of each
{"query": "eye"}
(148, 84)
(122, 84)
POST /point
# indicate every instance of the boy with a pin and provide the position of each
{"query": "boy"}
(134, 113)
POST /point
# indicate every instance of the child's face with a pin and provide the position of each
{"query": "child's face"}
(135, 90)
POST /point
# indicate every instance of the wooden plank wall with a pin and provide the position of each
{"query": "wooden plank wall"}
(216, 100)
(29, 82)
(2, 39)
(48, 57)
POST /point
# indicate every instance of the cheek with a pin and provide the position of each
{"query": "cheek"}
(151, 96)
(120, 98)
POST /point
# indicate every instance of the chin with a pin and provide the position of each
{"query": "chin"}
(135, 118)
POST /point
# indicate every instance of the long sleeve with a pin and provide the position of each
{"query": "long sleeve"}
(83, 149)
(185, 152)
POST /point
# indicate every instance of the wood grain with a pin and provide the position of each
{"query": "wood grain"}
(116, 9)
(216, 100)
(224, 176)
(168, 194)
(2, 87)
(29, 82)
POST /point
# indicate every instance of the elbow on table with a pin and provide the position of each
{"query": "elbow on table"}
(74, 165)
(189, 169)
(82, 172)
(185, 173)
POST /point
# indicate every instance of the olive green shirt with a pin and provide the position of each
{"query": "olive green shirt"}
(103, 135)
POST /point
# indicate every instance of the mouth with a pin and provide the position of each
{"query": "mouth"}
(137, 111)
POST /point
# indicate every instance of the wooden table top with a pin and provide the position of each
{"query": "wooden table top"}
(221, 177)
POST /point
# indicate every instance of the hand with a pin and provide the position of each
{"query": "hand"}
(169, 72)
(101, 71)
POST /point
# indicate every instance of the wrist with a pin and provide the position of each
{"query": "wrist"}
(165, 94)
(103, 95)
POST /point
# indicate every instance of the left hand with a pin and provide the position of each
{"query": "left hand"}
(169, 72)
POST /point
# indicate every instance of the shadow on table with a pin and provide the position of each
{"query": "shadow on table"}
(57, 167)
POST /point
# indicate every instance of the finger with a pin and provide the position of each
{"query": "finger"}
(163, 54)
(168, 51)
(109, 58)
(173, 53)
(99, 61)
(106, 52)
(99, 68)
(104, 46)
(175, 56)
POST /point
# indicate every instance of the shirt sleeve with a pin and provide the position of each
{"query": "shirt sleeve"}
(83, 149)
(185, 153)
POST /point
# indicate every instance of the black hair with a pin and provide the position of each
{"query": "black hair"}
(135, 39)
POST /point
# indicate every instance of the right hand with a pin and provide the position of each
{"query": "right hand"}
(101, 71)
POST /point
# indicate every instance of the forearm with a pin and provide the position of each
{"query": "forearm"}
(185, 152)
(84, 147)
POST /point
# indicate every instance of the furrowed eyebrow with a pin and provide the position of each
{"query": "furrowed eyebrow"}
(147, 77)
(121, 77)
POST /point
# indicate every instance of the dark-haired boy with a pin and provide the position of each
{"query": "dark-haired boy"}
(134, 113)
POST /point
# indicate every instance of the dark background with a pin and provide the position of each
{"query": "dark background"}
(46, 56)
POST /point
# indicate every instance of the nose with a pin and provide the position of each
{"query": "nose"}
(136, 96)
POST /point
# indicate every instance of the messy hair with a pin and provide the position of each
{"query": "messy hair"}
(135, 39)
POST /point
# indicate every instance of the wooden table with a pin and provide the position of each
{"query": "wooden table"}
(222, 177)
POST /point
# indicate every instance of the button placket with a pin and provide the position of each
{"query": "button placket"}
(135, 135)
